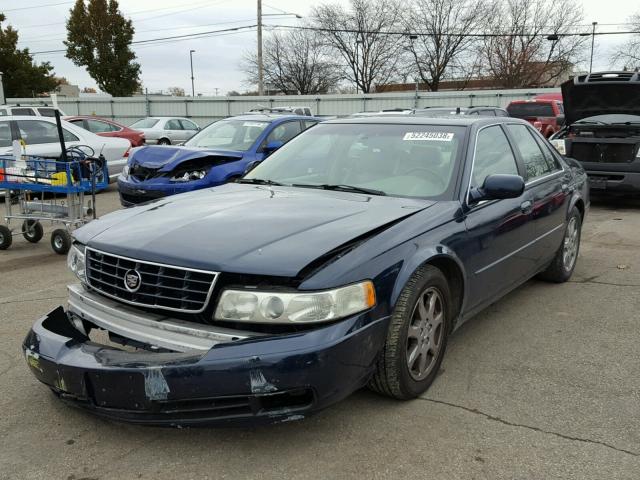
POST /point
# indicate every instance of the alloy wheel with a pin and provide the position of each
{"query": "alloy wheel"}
(425, 334)
(570, 246)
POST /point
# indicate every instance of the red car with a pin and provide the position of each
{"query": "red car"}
(108, 128)
(545, 114)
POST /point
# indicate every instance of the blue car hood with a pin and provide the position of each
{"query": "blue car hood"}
(166, 158)
(245, 228)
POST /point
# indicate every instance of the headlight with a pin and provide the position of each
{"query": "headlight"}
(125, 171)
(189, 176)
(75, 262)
(299, 307)
(559, 145)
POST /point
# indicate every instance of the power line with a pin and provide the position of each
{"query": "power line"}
(175, 37)
(35, 6)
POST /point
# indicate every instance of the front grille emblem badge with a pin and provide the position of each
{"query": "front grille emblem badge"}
(132, 280)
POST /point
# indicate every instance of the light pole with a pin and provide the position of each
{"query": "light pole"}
(193, 90)
(259, 25)
(2, 99)
(593, 37)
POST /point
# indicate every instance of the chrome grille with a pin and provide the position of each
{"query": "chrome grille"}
(161, 286)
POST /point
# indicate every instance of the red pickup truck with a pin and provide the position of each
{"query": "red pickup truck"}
(545, 114)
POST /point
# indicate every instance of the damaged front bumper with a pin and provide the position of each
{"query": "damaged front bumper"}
(250, 380)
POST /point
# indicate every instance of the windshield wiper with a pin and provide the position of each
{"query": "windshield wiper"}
(341, 187)
(626, 123)
(259, 181)
(590, 122)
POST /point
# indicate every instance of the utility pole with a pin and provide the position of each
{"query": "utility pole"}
(2, 99)
(593, 37)
(260, 66)
(193, 91)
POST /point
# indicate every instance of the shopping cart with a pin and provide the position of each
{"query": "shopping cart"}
(38, 189)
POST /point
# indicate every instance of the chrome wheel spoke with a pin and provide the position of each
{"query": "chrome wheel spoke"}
(424, 334)
(412, 355)
(414, 332)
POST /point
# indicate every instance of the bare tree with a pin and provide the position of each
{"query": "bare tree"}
(442, 42)
(534, 49)
(294, 62)
(369, 56)
(628, 55)
(176, 91)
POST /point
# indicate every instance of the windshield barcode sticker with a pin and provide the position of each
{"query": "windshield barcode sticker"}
(433, 136)
(253, 124)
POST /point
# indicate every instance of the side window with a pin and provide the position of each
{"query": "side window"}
(534, 162)
(187, 125)
(35, 132)
(552, 161)
(23, 111)
(47, 112)
(475, 112)
(560, 108)
(488, 113)
(493, 155)
(173, 124)
(97, 126)
(5, 134)
(284, 132)
(309, 123)
(501, 113)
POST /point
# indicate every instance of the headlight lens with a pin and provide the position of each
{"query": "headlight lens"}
(125, 171)
(75, 262)
(559, 145)
(276, 307)
(189, 176)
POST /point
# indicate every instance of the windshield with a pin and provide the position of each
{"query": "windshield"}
(399, 160)
(525, 110)
(145, 123)
(229, 134)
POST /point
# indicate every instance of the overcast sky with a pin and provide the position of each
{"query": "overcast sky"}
(217, 59)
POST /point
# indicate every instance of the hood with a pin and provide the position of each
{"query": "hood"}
(245, 228)
(601, 94)
(166, 158)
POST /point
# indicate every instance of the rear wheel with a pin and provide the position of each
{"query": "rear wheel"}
(60, 241)
(5, 237)
(564, 262)
(417, 336)
(32, 231)
(164, 141)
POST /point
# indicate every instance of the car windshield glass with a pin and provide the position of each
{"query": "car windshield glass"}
(397, 160)
(229, 134)
(145, 123)
(526, 110)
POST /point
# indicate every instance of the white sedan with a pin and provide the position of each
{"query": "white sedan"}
(40, 136)
(166, 130)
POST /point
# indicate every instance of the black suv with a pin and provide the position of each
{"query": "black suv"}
(602, 112)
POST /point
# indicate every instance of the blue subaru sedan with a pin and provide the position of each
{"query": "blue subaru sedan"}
(217, 154)
(344, 260)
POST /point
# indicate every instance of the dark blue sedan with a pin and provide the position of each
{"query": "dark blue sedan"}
(344, 260)
(217, 154)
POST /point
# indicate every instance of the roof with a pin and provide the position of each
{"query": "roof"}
(462, 120)
(268, 117)
(29, 117)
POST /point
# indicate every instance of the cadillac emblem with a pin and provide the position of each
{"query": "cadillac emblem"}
(132, 280)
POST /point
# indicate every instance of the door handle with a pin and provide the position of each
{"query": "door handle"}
(526, 206)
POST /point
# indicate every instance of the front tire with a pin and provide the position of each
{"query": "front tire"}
(164, 141)
(32, 231)
(566, 257)
(60, 241)
(417, 336)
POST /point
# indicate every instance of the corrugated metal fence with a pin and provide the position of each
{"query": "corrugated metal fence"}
(205, 110)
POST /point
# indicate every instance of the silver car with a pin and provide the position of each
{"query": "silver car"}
(166, 130)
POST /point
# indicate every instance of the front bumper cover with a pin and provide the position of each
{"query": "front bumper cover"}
(251, 381)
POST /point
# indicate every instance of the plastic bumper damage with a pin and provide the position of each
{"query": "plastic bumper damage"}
(266, 379)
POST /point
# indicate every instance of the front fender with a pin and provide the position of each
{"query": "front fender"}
(424, 255)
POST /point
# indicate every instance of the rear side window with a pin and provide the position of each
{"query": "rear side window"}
(5, 134)
(22, 111)
(47, 112)
(187, 125)
(284, 132)
(309, 123)
(96, 126)
(552, 161)
(526, 110)
(493, 156)
(36, 132)
(534, 160)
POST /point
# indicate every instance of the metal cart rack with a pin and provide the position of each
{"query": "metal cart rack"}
(43, 190)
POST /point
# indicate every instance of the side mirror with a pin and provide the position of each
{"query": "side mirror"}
(272, 146)
(251, 165)
(560, 120)
(498, 187)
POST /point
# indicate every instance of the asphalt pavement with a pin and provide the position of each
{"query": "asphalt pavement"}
(544, 384)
